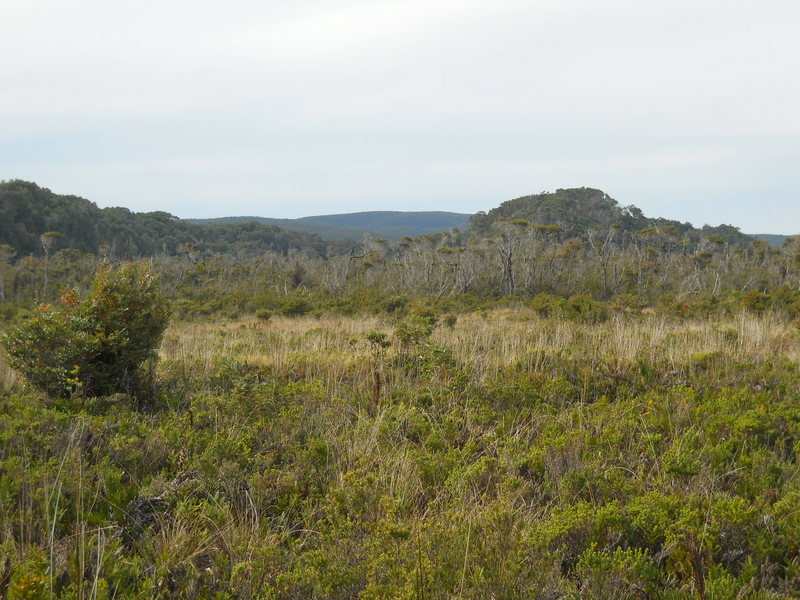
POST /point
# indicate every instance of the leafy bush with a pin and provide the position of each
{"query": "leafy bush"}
(296, 307)
(756, 301)
(415, 330)
(94, 345)
(263, 314)
(548, 305)
(585, 309)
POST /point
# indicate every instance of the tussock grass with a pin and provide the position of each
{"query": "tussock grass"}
(332, 349)
(542, 458)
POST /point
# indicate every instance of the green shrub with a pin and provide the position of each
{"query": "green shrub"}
(548, 305)
(623, 573)
(7, 311)
(585, 309)
(296, 307)
(450, 321)
(95, 345)
(415, 330)
(756, 301)
(263, 314)
(394, 304)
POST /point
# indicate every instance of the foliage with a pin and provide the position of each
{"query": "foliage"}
(263, 314)
(511, 456)
(28, 211)
(295, 307)
(608, 415)
(94, 345)
(572, 253)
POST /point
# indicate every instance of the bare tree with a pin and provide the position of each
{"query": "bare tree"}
(603, 246)
(6, 253)
(509, 239)
(48, 240)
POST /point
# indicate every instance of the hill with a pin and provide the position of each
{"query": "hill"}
(27, 211)
(773, 239)
(577, 210)
(391, 225)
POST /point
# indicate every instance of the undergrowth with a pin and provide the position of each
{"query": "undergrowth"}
(497, 455)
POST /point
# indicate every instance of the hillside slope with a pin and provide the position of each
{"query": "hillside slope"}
(577, 210)
(27, 211)
(385, 224)
(773, 239)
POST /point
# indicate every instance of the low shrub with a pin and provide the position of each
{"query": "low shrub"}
(296, 307)
(95, 345)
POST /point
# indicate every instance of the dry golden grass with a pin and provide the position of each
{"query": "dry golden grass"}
(487, 341)
(8, 377)
(380, 445)
(333, 349)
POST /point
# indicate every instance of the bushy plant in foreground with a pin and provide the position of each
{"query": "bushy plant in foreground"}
(97, 344)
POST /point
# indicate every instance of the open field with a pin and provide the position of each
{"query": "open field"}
(488, 342)
(493, 455)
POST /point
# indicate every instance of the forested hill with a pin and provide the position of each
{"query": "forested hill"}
(391, 225)
(576, 211)
(27, 211)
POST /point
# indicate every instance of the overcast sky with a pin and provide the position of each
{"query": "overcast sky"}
(689, 109)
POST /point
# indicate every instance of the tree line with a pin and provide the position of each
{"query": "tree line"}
(572, 243)
(27, 211)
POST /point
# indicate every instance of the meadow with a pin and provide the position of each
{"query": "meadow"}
(492, 454)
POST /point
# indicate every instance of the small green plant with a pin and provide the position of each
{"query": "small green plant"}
(95, 345)
(378, 343)
(415, 330)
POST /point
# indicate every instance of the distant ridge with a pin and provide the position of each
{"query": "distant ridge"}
(28, 210)
(773, 239)
(389, 224)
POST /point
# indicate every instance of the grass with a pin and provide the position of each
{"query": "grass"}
(488, 343)
(507, 456)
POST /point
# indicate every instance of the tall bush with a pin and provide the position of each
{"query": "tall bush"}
(97, 344)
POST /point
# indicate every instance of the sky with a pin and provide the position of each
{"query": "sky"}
(689, 109)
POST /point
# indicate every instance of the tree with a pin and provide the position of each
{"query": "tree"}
(48, 240)
(7, 252)
(509, 239)
(604, 249)
(95, 345)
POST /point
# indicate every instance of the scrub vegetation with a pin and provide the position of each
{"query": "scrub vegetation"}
(499, 454)
(514, 412)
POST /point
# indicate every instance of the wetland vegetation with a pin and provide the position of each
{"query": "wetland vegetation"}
(524, 410)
